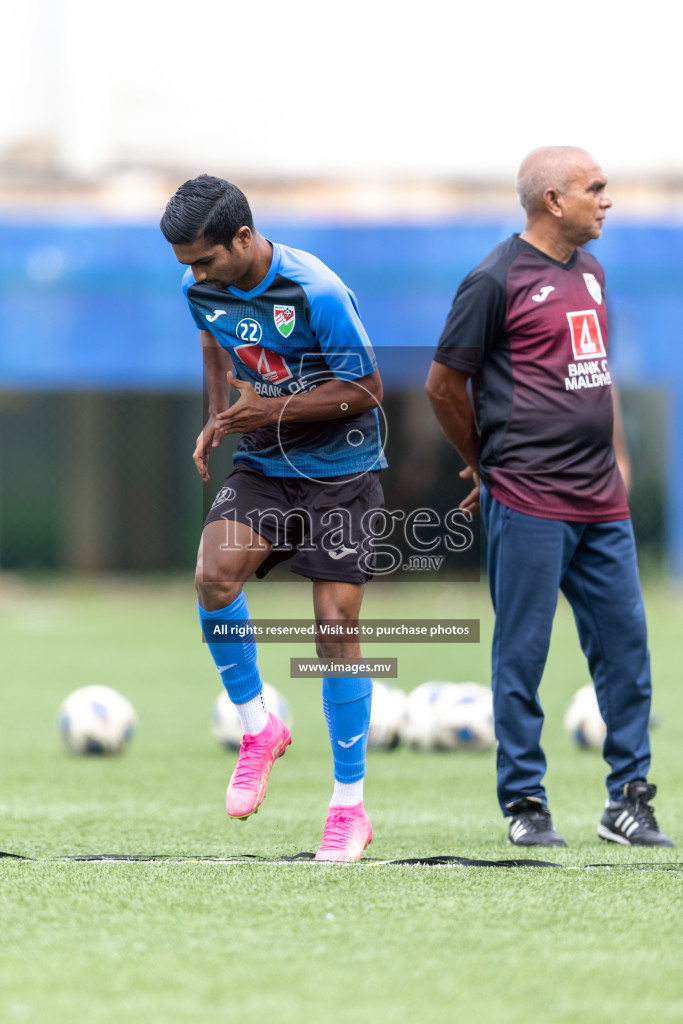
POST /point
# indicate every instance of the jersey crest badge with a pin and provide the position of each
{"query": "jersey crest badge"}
(269, 365)
(593, 288)
(587, 340)
(284, 319)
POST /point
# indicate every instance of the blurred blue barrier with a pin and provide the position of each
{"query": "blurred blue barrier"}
(97, 306)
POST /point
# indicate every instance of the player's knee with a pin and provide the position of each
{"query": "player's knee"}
(214, 591)
(213, 596)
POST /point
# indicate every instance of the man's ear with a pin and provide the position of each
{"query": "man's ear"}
(244, 236)
(551, 198)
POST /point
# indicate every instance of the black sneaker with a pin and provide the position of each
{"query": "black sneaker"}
(632, 821)
(531, 824)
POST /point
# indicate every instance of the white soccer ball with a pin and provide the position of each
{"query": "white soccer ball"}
(464, 718)
(387, 716)
(225, 722)
(443, 715)
(96, 720)
(420, 720)
(583, 721)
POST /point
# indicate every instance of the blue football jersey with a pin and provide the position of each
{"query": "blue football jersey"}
(296, 329)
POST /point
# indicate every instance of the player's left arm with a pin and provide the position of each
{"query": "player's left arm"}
(332, 399)
(354, 384)
(619, 441)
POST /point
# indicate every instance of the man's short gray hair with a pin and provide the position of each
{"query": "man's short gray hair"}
(543, 168)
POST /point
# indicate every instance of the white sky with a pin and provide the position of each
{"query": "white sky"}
(361, 88)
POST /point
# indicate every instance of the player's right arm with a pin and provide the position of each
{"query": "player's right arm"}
(217, 363)
(447, 391)
(476, 318)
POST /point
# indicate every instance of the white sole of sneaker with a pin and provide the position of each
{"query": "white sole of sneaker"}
(612, 837)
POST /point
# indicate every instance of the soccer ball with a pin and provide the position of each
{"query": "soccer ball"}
(225, 722)
(443, 715)
(387, 716)
(583, 721)
(420, 717)
(464, 718)
(96, 720)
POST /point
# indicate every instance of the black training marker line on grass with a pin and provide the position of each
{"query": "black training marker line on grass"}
(306, 857)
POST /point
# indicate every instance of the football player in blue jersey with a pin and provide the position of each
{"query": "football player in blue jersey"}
(281, 330)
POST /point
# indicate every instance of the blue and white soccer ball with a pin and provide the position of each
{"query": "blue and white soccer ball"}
(96, 720)
(583, 721)
(443, 715)
(420, 719)
(225, 722)
(387, 716)
(464, 718)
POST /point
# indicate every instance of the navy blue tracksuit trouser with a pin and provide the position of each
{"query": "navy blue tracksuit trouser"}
(530, 560)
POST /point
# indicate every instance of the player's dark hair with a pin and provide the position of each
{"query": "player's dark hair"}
(207, 206)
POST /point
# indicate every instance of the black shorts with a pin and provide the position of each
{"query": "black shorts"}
(325, 527)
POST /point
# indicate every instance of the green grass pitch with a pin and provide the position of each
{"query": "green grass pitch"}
(165, 942)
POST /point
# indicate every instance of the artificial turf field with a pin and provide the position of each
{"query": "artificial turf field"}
(598, 937)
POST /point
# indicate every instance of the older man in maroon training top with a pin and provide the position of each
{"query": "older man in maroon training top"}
(528, 329)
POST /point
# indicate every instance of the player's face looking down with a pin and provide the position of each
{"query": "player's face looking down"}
(583, 203)
(220, 267)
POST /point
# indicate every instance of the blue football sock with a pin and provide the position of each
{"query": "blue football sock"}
(229, 636)
(346, 703)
